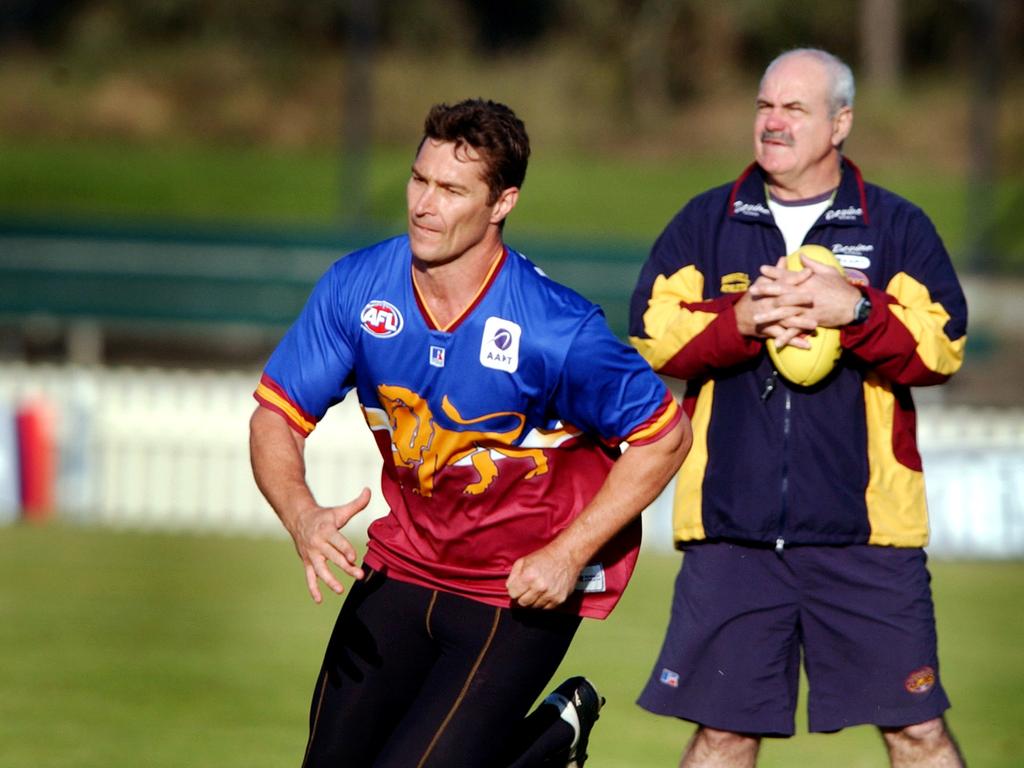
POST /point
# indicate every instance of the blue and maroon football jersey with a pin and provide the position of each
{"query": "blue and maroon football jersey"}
(495, 431)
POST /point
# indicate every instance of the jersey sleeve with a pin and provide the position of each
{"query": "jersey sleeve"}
(609, 391)
(916, 332)
(678, 329)
(312, 367)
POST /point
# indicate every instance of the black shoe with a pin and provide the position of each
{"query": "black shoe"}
(580, 705)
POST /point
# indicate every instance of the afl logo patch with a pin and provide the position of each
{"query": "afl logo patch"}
(920, 680)
(381, 319)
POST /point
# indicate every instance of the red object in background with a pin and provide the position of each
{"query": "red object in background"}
(36, 459)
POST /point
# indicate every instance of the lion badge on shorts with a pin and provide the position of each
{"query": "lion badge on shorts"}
(920, 680)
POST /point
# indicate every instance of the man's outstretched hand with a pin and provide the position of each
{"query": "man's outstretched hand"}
(319, 541)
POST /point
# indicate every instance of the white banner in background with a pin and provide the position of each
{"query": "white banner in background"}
(10, 483)
(169, 449)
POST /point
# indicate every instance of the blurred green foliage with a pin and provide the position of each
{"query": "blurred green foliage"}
(568, 196)
(933, 30)
(623, 64)
(226, 110)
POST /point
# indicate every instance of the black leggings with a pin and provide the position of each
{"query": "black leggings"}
(414, 677)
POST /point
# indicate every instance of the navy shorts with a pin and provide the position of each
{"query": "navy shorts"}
(862, 615)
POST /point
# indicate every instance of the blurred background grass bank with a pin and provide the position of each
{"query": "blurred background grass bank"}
(175, 175)
(218, 146)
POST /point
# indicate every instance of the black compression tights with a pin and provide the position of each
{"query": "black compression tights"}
(414, 678)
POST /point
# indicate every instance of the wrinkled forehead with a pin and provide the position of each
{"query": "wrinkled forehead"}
(795, 78)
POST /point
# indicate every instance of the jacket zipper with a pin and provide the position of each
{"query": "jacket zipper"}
(770, 385)
(780, 541)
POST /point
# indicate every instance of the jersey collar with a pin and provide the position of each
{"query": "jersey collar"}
(491, 276)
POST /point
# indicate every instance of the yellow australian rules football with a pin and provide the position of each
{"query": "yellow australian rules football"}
(807, 367)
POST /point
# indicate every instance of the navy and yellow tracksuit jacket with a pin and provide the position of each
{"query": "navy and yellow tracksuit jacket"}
(772, 462)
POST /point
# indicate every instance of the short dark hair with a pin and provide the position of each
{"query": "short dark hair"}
(493, 130)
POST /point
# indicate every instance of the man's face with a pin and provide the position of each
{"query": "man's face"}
(447, 202)
(794, 136)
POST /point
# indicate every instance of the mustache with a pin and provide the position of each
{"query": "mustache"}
(782, 136)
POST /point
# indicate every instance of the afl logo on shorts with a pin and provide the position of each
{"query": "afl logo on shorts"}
(381, 319)
(920, 680)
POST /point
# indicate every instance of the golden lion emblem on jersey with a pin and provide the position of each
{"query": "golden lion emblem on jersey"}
(420, 443)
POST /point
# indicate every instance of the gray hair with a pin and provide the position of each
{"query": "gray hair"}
(841, 86)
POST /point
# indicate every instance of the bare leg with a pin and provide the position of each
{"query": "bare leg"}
(925, 744)
(711, 748)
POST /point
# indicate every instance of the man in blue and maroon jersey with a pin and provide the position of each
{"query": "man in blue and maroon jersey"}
(801, 510)
(499, 400)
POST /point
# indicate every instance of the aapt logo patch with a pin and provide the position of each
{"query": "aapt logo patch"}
(381, 319)
(735, 282)
(499, 345)
(920, 680)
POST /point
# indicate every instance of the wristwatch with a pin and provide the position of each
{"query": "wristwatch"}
(861, 310)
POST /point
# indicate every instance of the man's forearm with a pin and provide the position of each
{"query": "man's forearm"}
(278, 465)
(635, 480)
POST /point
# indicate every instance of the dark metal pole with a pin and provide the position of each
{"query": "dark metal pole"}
(982, 127)
(881, 44)
(357, 114)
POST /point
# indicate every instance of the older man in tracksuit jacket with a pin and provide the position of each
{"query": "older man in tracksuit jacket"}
(798, 508)
(749, 478)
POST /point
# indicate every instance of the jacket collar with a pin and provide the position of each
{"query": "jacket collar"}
(748, 200)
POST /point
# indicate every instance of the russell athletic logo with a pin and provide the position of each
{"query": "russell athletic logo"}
(437, 356)
(381, 319)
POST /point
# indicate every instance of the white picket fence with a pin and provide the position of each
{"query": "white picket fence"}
(169, 449)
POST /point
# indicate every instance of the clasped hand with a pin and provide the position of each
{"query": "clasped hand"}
(785, 305)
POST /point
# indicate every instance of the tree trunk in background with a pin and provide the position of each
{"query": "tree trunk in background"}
(679, 50)
(647, 55)
(982, 127)
(716, 49)
(357, 114)
(881, 43)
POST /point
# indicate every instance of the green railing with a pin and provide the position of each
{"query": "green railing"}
(185, 276)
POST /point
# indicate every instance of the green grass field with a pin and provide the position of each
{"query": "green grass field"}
(566, 195)
(140, 649)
